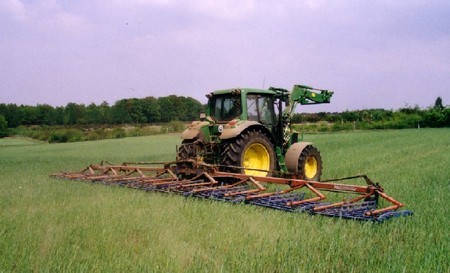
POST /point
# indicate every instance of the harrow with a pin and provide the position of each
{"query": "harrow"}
(201, 180)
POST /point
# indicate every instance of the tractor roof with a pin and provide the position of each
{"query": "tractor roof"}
(244, 90)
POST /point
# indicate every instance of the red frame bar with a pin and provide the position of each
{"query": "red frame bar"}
(210, 176)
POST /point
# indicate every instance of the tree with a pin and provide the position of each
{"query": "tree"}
(168, 112)
(134, 107)
(447, 117)
(46, 115)
(105, 112)
(30, 115)
(120, 113)
(438, 104)
(74, 114)
(59, 115)
(179, 107)
(194, 107)
(3, 126)
(151, 109)
(93, 114)
(349, 116)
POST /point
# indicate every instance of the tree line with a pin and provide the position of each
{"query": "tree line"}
(125, 111)
(407, 117)
(23, 119)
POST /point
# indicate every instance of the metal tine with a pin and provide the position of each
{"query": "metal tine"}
(260, 188)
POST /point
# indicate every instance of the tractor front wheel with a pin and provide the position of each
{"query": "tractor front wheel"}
(310, 164)
(304, 161)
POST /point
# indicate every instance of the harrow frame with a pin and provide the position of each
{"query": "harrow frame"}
(191, 178)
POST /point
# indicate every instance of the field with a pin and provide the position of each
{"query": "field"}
(51, 225)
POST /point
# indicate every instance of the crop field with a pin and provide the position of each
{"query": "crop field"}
(53, 225)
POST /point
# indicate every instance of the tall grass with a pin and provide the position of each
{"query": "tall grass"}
(56, 225)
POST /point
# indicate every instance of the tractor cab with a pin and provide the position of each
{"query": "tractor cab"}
(242, 104)
(224, 108)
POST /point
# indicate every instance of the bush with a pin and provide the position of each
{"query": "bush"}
(361, 125)
(117, 133)
(342, 126)
(436, 118)
(173, 127)
(68, 135)
(96, 134)
(151, 131)
(305, 127)
(322, 126)
(57, 137)
(136, 132)
(43, 135)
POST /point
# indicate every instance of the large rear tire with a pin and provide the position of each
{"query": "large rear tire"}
(190, 149)
(251, 151)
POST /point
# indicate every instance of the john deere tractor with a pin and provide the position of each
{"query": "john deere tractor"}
(249, 131)
(233, 152)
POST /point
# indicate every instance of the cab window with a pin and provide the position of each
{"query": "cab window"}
(226, 108)
(260, 108)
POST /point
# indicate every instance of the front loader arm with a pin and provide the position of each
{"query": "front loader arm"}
(305, 95)
(300, 94)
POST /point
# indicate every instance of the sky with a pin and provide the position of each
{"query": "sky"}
(372, 54)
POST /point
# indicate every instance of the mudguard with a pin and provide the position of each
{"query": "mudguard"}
(230, 131)
(292, 155)
(194, 129)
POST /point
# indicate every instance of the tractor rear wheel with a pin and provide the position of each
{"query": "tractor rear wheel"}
(186, 151)
(190, 149)
(251, 151)
(310, 164)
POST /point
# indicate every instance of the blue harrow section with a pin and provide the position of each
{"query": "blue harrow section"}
(279, 201)
(237, 188)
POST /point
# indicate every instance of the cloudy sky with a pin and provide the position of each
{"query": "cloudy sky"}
(373, 54)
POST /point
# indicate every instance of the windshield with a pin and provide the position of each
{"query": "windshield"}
(226, 108)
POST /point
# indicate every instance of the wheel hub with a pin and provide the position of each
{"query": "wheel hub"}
(310, 167)
(256, 156)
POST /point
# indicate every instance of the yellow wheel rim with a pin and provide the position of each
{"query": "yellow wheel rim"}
(310, 167)
(256, 156)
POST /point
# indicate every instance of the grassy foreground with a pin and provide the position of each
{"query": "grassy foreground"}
(51, 225)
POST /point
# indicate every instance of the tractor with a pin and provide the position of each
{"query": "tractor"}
(249, 131)
(242, 150)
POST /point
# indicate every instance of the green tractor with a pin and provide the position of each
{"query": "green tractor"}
(249, 131)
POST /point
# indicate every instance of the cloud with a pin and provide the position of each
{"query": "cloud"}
(43, 16)
(13, 8)
(225, 9)
(220, 9)
(314, 4)
(122, 3)
(68, 22)
(93, 50)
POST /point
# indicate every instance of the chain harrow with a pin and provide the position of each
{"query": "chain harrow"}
(201, 180)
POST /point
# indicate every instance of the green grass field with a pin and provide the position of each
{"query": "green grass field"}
(51, 225)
